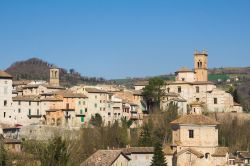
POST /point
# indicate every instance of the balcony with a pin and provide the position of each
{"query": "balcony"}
(68, 108)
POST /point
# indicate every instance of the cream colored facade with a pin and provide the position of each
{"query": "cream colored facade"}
(195, 142)
(6, 109)
(193, 86)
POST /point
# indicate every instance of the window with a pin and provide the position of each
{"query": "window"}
(179, 89)
(37, 103)
(4, 114)
(19, 110)
(168, 89)
(215, 101)
(207, 155)
(95, 105)
(100, 108)
(183, 79)
(19, 102)
(100, 101)
(86, 110)
(79, 103)
(191, 133)
(37, 111)
(197, 99)
(29, 111)
(80, 111)
(5, 102)
(109, 113)
(29, 102)
(197, 89)
(83, 102)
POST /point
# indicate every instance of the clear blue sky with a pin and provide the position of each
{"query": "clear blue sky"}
(120, 38)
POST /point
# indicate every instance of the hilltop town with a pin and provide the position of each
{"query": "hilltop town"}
(37, 109)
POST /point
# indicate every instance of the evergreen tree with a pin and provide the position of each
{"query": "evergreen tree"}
(158, 158)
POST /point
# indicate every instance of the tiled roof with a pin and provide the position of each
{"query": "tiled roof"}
(195, 119)
(103, 158)
(198, 154)
(220, 152)
(138, 150)
(245, 155)
(26, 98)
(3, 74)
(94, 90)
(141, 83)
(184, 69)
(52, 98)
(70, 94)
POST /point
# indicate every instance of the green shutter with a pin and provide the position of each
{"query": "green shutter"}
(82, 119)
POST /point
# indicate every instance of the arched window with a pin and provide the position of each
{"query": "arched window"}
(207, 155)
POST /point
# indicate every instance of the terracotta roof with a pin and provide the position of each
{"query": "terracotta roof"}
(3, 74)
(49, 86)
(195, 119)
(94, 90)
(138, 150)
(103, 158)
(70, 94)
(220, 152)
(184, 69)
(26, 98)
(245, 155)
(198, 154)
(141, 83)
(52, 98)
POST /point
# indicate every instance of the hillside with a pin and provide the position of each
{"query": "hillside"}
(37, 69)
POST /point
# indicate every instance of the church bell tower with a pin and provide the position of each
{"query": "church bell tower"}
(200, 65)
(54, 76)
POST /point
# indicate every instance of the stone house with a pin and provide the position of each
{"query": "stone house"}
(6, 109)
(195, 142)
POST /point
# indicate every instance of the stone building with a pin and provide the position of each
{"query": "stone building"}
(6, 109)
(195, 142)
(193, 86)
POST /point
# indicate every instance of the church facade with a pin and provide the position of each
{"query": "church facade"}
(192, 88)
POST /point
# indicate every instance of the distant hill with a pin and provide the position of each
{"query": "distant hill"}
(37, 69)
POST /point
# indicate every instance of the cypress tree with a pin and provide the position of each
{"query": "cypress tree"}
(158, 158)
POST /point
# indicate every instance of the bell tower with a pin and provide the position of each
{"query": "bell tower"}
(54, 76)
(200, 65)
